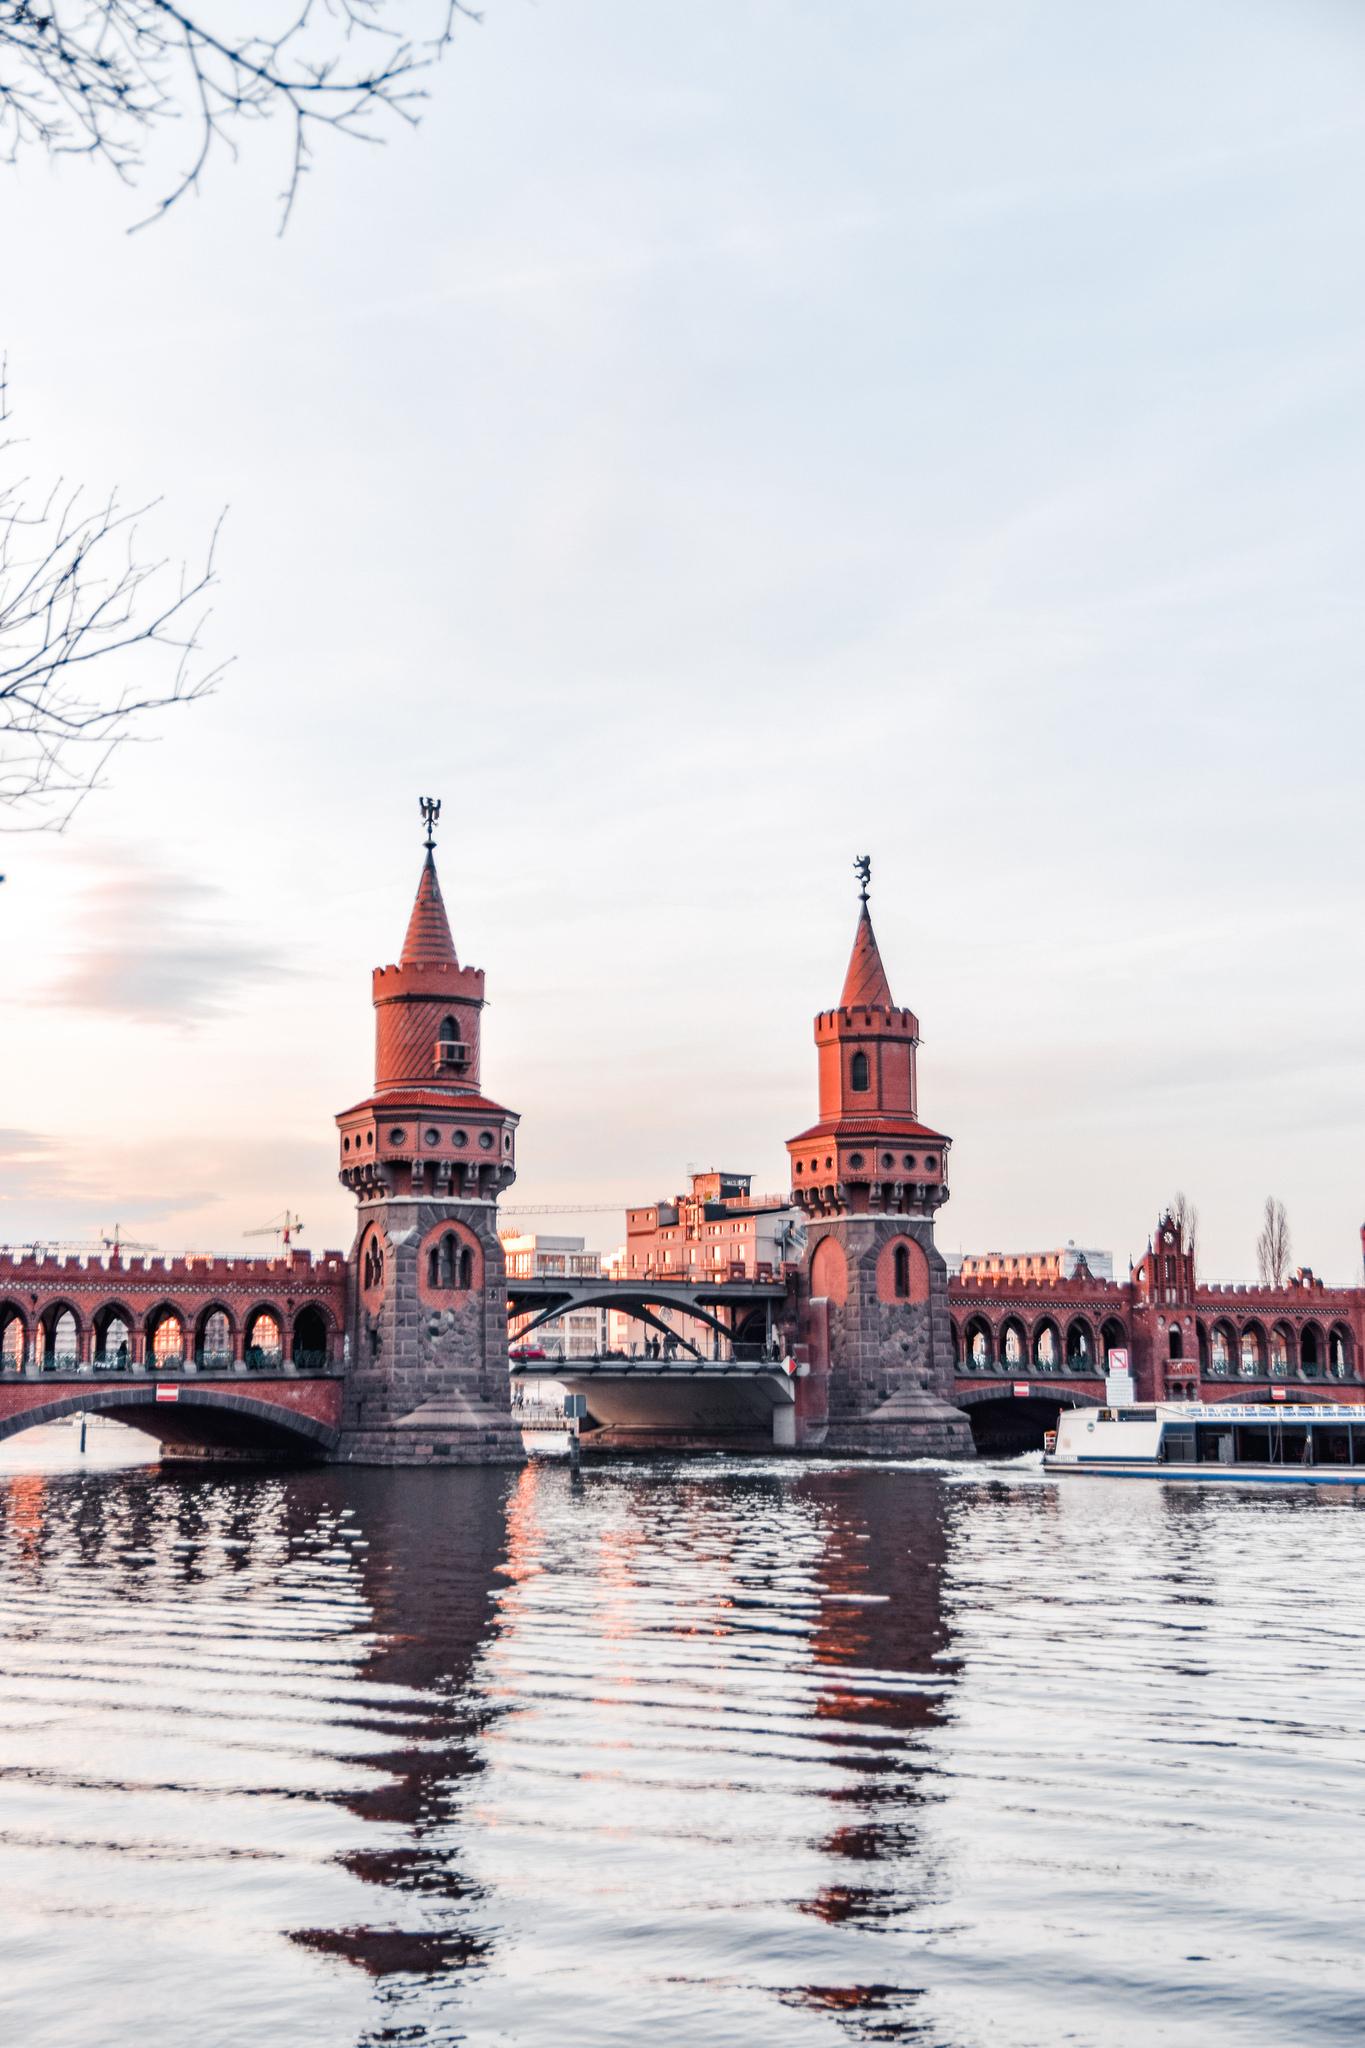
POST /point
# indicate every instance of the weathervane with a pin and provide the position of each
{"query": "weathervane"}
(862, 868)
(431, 811)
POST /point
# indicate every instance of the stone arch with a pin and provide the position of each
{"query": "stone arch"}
(1312, 1351)
(902, 1271)
(115, 1331)
(1080, 1345)
(829, 1271)
(1222, 1350)
(450, 1265)
(373, 1268)
(263, 1336)
(1282, 1351)
(978, 1344)
(166, 1337)
(1113, 1337)
(209, 1417)
(14, 1336)
(1014, 1345)
(1252, 1351)
(215, 1333)
(1003, 1424)
(1046, 1345)
(59, 1332)
(1175, 1344)
(312, 1338)
(1340, 1352)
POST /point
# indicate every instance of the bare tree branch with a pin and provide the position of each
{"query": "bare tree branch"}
(98, 77)
(1273, 1245)
(93, 637)
(1186, 1219)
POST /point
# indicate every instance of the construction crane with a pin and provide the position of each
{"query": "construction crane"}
(285, 1227)
(117, 1243)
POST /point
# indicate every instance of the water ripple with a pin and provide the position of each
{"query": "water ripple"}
(769, 1753)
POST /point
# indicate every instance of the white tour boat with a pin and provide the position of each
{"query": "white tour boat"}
(1284, 1444)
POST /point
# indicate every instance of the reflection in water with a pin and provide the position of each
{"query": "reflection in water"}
(770, 1753)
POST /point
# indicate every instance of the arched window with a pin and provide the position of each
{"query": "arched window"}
(858, 1073)
(901, 1269)
(1175, 1344)
(450, 1051)
(466, 1267)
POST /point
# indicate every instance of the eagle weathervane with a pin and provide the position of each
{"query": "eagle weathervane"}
(431, 810)
(862, 868)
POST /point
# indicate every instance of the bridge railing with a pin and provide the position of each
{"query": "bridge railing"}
(66, 1365)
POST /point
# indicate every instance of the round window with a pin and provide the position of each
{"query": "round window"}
(459, 1137)
(888, 1159)
(433, 1137)
(798, 1163)
(369, 1137)
(485, 1141)
(929, 1162)
(507, 1141)
(855, 1158)
(398, 1136)
(345, 1144)
(910, 1160)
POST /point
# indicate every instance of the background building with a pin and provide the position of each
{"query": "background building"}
(533, 1255)
(1065, 1264)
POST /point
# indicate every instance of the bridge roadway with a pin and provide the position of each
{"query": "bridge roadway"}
(679, 1402)
(749, 1304)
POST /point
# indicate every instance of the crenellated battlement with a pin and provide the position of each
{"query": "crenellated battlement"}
(892, 1023)
(975, 1286)
(1290, 1296)
(426, 972)
(192, 1269)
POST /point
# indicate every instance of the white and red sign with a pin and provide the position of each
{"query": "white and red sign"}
(1022, 1390)
(168, 1393)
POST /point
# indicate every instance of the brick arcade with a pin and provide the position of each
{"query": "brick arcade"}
(397, 1353)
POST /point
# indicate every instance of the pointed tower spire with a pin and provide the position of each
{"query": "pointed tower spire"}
(865, 985)
(428, 941)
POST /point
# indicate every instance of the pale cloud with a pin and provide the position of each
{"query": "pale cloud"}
(158, 947)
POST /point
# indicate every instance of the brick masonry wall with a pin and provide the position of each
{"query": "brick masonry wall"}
(883, 1350)
(407, 1350)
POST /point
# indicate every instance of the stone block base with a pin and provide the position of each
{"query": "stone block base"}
(873, 1439)
(402, 1446)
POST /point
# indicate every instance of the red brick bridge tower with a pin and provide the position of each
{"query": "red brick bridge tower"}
(868, 1177)
(427, 1156)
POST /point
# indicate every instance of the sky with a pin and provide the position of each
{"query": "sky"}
(718, 442)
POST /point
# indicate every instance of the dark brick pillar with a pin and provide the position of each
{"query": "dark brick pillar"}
(891, 1379)
(428, 1380)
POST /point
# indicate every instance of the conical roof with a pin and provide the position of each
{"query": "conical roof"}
(865, 985)
(428, 942)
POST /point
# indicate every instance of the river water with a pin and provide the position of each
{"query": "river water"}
(756, 1753)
